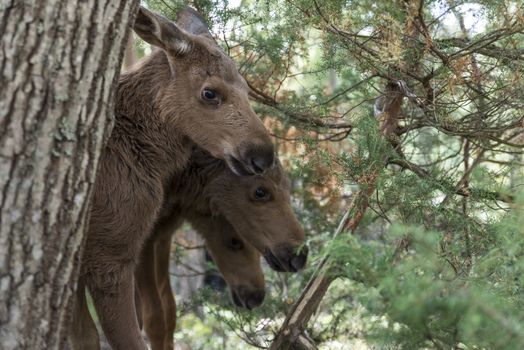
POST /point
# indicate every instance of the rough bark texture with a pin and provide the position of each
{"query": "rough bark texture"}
(58, 64)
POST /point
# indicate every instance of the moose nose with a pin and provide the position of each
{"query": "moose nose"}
(260, 158)
(261, 163)
(255, 299)
(285, 259)
(298, 261)
(248, 299)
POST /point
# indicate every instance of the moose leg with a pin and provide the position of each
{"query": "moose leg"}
(162, 252)
(83, 334)
(138, 306)
(114, 299)
(151, 304)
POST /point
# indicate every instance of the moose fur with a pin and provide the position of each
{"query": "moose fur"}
(187, 92)
(219, 204)
(202, 199)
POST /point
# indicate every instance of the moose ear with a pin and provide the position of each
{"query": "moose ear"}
(161, 32)
(191, 21)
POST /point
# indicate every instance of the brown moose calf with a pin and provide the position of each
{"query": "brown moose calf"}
(189, 91)
(261, 202)
(237, 261)
(221, 206)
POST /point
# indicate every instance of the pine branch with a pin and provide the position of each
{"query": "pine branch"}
(472, 192)
(387, 110)
(310, 120)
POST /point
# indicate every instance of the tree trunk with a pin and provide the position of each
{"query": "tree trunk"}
(59, 61)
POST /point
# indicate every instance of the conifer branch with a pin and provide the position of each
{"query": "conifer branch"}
(387, 110)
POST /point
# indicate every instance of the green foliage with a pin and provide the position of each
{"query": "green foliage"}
(426, 302)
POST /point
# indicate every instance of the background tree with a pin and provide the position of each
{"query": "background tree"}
(58, 65)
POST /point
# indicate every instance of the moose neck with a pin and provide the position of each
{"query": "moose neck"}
(150, 143)
(186, 194)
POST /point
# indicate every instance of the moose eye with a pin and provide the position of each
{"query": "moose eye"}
(261, 194)
(210, 96)
(235, 244)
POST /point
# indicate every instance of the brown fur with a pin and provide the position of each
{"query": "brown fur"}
(208, 183)
(269, 224)
(237, 261)
(159, 109)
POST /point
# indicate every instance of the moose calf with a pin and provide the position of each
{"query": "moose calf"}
(187, 92)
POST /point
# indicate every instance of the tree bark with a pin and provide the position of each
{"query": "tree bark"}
(59, 61)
